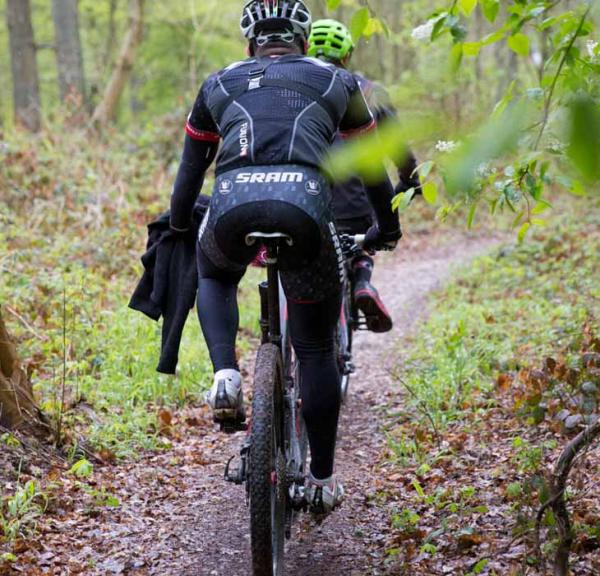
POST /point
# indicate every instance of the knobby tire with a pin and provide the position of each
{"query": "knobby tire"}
(267, 501)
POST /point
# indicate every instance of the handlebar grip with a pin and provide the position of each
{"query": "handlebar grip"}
(359, 240)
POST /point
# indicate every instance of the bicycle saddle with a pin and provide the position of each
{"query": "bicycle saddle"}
(254, 237)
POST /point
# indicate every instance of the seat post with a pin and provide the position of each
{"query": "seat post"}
(273, 292)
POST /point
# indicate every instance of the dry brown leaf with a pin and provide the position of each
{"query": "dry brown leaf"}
(469, 540)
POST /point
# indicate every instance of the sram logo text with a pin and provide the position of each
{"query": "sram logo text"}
(268, 177)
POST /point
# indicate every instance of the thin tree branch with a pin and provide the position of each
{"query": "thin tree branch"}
(550, 96)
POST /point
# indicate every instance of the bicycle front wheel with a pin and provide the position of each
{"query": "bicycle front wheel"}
(267, 472)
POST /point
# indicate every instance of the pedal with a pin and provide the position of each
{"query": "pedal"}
(349, 368)
(238, 474)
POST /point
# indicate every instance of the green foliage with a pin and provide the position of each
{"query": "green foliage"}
(73, 224)
(544, 132)
(505, 312)
(82, 468)
(20, 512)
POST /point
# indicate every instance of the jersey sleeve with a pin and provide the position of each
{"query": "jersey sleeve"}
(358, 119)
(200, 125)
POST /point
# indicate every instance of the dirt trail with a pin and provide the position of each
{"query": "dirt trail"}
(177, 515)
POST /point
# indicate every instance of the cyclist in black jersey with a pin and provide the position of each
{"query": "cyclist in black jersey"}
(332, 42)
(277, 114)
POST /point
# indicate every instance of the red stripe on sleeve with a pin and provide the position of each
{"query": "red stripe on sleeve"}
(202, 135)
(358, 131)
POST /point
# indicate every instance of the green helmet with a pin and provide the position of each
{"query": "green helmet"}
(331, 40)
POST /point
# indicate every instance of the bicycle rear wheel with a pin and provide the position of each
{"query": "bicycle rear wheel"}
(267, 472)
(343, 343)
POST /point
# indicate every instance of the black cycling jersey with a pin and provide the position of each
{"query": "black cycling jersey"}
(277, 118)
(292, 119)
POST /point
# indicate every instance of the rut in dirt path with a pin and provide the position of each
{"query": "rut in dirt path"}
(177, 515)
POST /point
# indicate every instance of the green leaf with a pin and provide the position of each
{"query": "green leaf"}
(480, 566)
(490, 9)
(519, 43)
(374, 26)
(471, 48)
(471, 215)
(467, 6)
(424, 169)
(402, 201)
(333, 4)
(506, 100)
(430, 192)
(419, 489)
(523, 231)
(577, 188)
(456, 55)
(112, 501)
(438, 27)
(541, 207)
(584, 147)
(518, 219)
(82, 468)
(8, 557)
(359, 22)
(493, 37)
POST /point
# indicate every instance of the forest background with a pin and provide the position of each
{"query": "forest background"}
(501, 101)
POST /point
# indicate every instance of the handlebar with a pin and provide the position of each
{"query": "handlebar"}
(352, 245)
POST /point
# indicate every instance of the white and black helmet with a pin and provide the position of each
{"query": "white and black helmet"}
(274, 14)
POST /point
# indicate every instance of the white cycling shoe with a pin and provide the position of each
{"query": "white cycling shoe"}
(324, 496)
(226, 397)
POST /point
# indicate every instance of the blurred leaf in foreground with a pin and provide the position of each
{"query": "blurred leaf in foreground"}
(366, 156)
(584, 147)
(495, 138)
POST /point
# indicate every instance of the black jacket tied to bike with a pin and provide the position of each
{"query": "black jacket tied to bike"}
(170, 281)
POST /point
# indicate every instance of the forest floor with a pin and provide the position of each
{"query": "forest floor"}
(444, 442)
(177, 516)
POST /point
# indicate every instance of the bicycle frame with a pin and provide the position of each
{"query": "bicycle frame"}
(277, 474)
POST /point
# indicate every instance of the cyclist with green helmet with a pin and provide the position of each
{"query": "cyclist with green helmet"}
(332, 42)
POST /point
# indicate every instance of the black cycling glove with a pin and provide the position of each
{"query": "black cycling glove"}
(388, 221)
(377, 241)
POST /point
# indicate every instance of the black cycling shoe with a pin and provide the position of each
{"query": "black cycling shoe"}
(369, 303)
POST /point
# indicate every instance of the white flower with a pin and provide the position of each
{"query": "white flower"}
(423, 32)
(485, 169)
(556, 146)
(591, 46)
(537, 58)
(446, 146)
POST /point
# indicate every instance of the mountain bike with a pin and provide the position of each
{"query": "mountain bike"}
(350, 319)
(272, 462)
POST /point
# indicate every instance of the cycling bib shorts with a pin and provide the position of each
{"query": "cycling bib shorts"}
(291, 199)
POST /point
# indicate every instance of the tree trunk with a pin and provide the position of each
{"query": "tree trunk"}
(135, 104)
(111, 33)
(17, 406)
(106, 111)
(68, 51)
(26, 92)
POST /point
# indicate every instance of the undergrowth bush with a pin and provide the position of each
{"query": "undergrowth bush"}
(72, 228)
(510, 310)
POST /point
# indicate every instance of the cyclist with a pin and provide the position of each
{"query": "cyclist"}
(332, 42)
(276, 114)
